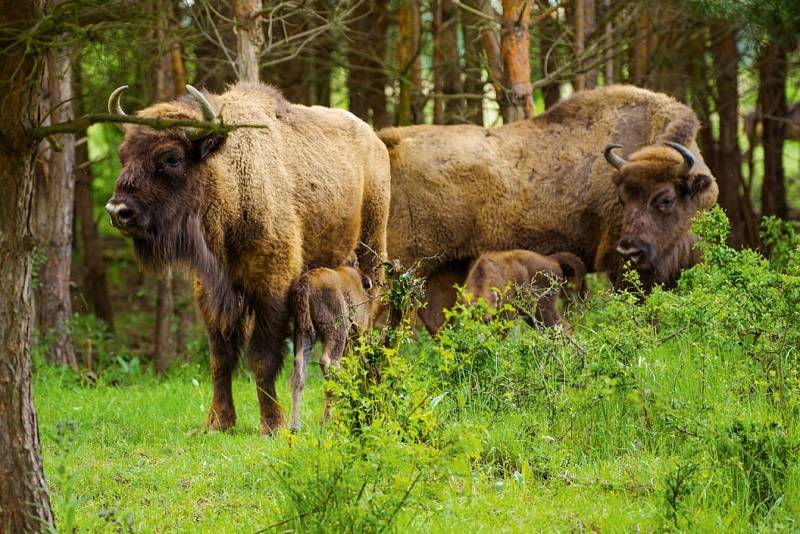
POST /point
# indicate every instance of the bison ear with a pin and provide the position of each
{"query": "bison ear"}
(696, 183)
(207, 145)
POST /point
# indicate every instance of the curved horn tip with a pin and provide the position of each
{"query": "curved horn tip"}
(205, 106)
(688, 157)
(614, 160)
(114, 107)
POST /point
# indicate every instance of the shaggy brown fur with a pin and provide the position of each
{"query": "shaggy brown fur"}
(250, 213)
(544, 185)
(328, 303)
(496, 277)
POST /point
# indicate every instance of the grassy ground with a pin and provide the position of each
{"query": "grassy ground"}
(676, 413)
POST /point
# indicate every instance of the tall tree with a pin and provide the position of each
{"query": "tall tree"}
(516, 100)
(409, 64)
(94, 284)
(24, 503)
(773, 69)
(549, 37)
(449, 106)
(54, 194)
(728, 156)
(366, 79)
(471, 26)
(249, 38)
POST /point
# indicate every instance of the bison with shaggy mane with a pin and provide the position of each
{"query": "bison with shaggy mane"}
(248, 212)
(544, 184)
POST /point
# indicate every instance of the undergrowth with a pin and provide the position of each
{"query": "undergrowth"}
(673, 411)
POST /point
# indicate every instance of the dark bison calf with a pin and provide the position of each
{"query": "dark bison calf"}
(497, 277)
(328, 303)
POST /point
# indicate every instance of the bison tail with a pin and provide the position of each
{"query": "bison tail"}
(299, 298)
(574, 271)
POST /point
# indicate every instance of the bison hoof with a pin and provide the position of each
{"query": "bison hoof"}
(220, 421)
(270, 426)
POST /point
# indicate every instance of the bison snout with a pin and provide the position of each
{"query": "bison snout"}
(637, 251)
(122, 215)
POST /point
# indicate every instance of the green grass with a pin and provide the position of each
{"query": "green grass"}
(676, 413)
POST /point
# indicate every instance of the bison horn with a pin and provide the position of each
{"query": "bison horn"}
(114, 107)
(612, 158)
(205, 106)
(688, 158)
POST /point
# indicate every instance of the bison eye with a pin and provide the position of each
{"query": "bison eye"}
(665, 204)
(172, 161)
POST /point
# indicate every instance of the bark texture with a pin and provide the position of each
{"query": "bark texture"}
(773, 68)
(249, 38)
(516, 101)
(409, 109)
(449, 107)
(54, 202)
(24, 503)
(366, 80)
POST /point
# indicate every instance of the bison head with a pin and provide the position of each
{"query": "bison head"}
(159, 189)
(660, 192)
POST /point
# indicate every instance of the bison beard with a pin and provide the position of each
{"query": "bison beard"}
(248, 214)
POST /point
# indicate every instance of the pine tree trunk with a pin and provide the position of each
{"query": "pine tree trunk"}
(54, 217)
(609, 45)
(249, 38)
(517, 101)
(24, 503)
(366, 80)
(473, 83)
(640, 65)
(729, 157)
(579, 11)
(446, 65)
(548, 56)
(164, 351)
(773, 68)
(409, 109)
(94, 282)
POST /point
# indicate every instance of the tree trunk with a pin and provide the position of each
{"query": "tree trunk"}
(164, 351)
(773, 68)
(94, 282)
(24, 503)
(729, 157)
(548, 56)
(579, 10)
(409, 109)
(366, 80)
(185, 308)
(517, 101)
(641, 51)
(249, 38)
(54, 203)
(473, 82)
(588, 65)
(446, 65)
(609, 45)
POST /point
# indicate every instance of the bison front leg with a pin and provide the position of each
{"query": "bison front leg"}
(266, 358)
(225, 349)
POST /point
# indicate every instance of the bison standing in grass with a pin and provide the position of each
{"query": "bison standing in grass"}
(248, 213)
(544, 184)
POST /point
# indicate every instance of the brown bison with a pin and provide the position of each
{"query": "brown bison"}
(248, 213)
(327, 303)
(498, 276)
(543, 184)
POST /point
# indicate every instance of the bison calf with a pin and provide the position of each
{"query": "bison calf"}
(327, 303)
(493, 271)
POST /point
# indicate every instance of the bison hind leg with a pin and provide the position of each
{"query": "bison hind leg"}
(303, 345)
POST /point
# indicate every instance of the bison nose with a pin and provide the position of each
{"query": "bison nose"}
(635, 250)
(121, 214)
